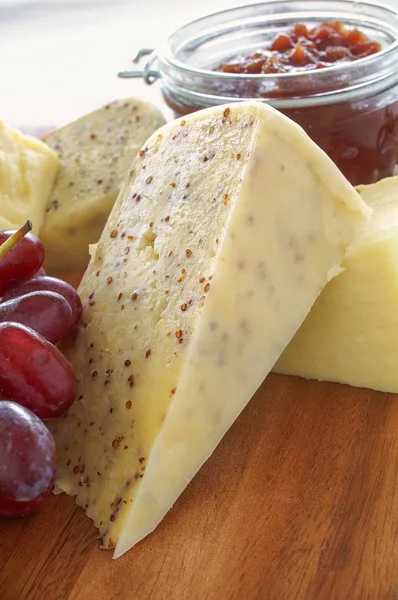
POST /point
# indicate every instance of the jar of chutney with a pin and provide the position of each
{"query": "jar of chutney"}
(345, 97)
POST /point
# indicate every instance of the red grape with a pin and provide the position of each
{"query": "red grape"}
(19, 287)
(27, 460)
(13, 508)
(34, 373)
(48, 313)
(24, 260)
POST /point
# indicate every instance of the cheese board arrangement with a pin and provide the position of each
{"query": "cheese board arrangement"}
(198, 322)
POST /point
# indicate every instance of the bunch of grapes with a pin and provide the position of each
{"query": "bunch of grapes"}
(36, 380)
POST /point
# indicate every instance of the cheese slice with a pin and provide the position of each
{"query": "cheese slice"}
(96, 152)
(351, 333)
(227, 229)
(27, 171)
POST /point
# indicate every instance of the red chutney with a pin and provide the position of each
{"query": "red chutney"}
(360, 134)
(300, 48)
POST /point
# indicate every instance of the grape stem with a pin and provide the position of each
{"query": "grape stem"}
(14, 239)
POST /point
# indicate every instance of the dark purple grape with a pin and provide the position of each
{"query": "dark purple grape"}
(48, 313)
(34, 373)
(19, 287)
(27, 461)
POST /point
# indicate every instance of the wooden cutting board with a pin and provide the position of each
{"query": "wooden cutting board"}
(299, 501)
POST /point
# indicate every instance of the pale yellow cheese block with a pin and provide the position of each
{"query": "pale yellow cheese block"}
(28, 168)
(96, 152)
(351, 333)
(230, 224)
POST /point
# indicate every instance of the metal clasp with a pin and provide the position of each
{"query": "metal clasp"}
(148, 74)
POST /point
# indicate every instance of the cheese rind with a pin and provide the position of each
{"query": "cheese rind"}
(96, 152)
(228, 215)
(28, 168)
(351, 333)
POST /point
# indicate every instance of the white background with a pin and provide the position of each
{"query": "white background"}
(59, 58)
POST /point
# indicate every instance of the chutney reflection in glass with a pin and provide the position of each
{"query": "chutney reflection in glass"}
(361, 137)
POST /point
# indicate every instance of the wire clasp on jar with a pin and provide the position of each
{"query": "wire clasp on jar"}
(148, 74)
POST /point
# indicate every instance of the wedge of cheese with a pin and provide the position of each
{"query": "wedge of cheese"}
(28, 168)
(351, 333)
(96, 153)
(228, 227)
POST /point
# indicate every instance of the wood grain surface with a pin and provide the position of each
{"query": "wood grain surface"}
(300, 500)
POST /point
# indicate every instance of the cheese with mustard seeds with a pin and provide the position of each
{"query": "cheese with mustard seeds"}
(28, 168)
(230, 224)
(351, 333)
(96, 152)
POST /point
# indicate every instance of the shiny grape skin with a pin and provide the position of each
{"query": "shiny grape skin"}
(34, 372)
(48, 313)
(27, 461)
(24, 260)
(13, 508)
(18, 287)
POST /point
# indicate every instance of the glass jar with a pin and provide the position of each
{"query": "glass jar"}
(349, 109)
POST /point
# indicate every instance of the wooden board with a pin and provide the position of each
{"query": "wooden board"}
(299, 501)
